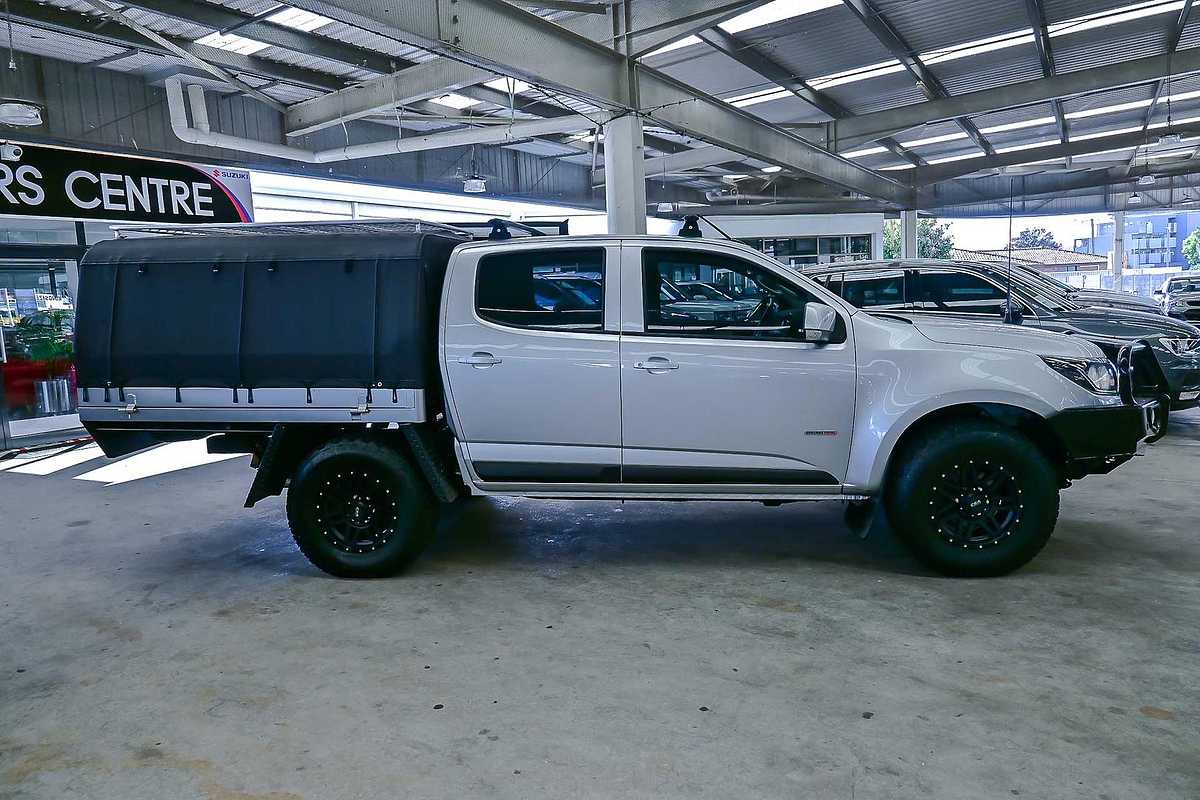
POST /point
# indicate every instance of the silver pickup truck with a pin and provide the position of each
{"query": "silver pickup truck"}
(378, 371)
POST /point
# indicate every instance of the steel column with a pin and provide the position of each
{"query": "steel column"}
(625, 175)
(908, 233)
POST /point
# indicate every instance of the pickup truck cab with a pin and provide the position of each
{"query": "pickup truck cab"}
(964, 432)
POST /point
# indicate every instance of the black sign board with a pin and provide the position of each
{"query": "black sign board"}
(45, 181)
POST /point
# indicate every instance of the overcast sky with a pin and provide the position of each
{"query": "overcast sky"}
(992, 233)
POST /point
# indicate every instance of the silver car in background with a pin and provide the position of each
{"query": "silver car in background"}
(1180, 297)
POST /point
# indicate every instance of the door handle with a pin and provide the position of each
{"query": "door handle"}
(480, 360)
(656, 364)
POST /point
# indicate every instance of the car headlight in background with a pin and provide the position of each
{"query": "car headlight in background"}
(1095, 376)
(1182, 347)
(1177, 305)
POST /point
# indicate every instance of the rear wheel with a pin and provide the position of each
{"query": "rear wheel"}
(357, 509)
(973, 499)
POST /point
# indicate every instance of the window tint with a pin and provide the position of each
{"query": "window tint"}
(560, 290)
(958, 292)
(749, 302)
(871, 289)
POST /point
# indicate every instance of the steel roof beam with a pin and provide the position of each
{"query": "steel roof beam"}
(423, 81)
(74, 24)
(494, 34)
(748, 56)
(1036, 12)
(878, 25)
(961, 193)
(957, 169)
(1172, 44)
(867, 127)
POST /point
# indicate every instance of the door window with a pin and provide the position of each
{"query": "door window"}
(958, 292)
(741, 301)
(560, 290)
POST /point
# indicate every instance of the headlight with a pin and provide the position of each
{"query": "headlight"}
(1095, 376)
(1178, 305)
(1181, 347)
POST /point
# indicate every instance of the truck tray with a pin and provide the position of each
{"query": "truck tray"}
(219, 331)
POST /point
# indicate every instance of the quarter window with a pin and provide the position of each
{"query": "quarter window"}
(561, 290)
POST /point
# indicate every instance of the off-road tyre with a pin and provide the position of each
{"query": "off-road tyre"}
(358, 509)
(973, 498)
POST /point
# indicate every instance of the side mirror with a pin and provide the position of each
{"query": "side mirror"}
(820, 323)
(1012, 314)
(1159, 292)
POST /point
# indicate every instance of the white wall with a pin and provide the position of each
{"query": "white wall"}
(790, 226)
(290, 198)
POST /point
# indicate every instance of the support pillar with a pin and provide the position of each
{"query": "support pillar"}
(625, 176)
(1118, 251)
(908, 233)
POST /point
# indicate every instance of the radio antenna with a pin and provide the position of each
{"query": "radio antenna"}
(1008, 306)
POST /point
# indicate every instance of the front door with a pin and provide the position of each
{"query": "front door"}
(532, 364)
(726, 392)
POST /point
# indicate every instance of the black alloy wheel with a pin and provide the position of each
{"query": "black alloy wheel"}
(976, 503)
(358, 509)
(972, 498)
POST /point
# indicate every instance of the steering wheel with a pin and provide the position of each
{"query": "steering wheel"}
(764, 308)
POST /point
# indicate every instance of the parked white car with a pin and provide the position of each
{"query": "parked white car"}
(329, 357)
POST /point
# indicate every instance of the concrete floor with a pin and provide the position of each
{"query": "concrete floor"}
(158, 641)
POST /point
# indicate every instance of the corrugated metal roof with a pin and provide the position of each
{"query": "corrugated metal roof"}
(41, 42)
(821, 43)
(985, 70)
(720, 75)
(1099, 46)
(934, 24)
(316, 63)
(1062, 10)
(876, 94)
(1114, 97)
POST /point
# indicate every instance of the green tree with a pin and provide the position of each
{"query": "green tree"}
(1036, 237)
(933, 239)
(1191, 248)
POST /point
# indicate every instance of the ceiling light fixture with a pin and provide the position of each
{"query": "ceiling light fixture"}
(20, 113)
(507, 85)
(474, 185)
(232, 43)
(456, 101)
(298, 19)
(1135, 199)
(1146, 180)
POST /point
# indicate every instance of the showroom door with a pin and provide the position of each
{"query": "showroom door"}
(37, 363)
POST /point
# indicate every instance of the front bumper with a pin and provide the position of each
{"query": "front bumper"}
(1099, 439)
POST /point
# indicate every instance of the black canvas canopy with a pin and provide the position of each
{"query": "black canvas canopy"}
(336, 309)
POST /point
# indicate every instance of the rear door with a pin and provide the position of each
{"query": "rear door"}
(722, 395)
(530, 357)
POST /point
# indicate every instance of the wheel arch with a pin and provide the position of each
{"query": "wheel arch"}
(1021, 417)
(289, 445)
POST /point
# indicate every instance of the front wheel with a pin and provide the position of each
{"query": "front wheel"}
(357, 509)
(973, 499)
